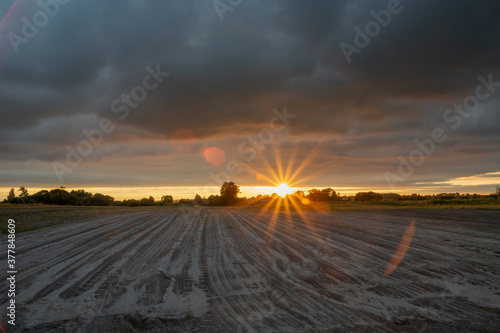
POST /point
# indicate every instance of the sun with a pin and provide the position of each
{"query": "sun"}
(283, 189)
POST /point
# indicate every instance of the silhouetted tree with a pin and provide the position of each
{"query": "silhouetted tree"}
(80, 197)
(324, 195)
(167, 199)
(41, 197)
(214, 200)
(59, 197)
(299, 193)
(391, 196)
(368, 196)
(229, 193)
(99, 199)
(24, 192)
(12, 196)
(197, 200)
(186, 202)
(313, 194)
(131, 202)
(147, 201)
(328, 194)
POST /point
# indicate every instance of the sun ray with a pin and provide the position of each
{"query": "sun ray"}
(288, 213)
(279, 165)
(304, 218)
(268, 205)
(309, 177)
(303, 164)
(274, 219)
(291, 162)
(246, 167)
(271, 170)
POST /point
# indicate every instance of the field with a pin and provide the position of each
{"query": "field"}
(243, 270)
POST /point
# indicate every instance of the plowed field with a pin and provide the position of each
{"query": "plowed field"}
(241, 270)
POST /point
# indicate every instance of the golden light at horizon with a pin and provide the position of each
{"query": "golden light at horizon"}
(283, 189)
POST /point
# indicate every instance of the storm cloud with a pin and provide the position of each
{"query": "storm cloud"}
(226, 77)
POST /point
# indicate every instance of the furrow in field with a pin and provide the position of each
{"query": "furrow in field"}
(289, 290)
(93, 257)
(232, 270)
(139, 269)
(223, 308)
(69, 251)
(64, 234)
(108, 265)
(53, 265)
(296, 252)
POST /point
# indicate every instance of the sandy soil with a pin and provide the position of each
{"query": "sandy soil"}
(229, 270)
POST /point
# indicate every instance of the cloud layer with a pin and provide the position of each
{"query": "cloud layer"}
(227, 76)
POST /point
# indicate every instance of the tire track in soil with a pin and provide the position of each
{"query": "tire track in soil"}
(317, 282)
(183, 282)
(141, 260)
(91, 255)
(108, 264)
(283, 289)
(321, 274)
(27, 275)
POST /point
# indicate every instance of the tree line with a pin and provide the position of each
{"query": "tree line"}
(228, 196)
(78, 198)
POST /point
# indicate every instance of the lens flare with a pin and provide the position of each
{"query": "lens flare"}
(214, 155)
(403, 246)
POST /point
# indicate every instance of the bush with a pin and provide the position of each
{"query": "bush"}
(368, 196)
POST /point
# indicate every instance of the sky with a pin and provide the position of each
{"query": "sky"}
(393, 96)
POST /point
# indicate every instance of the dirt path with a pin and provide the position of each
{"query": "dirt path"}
(212, 270)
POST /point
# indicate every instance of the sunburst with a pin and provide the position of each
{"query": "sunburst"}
(283, 190)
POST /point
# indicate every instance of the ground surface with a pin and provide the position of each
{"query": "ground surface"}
(34, 216)
(241, 270)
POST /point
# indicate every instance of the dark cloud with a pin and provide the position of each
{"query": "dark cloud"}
(227, 76)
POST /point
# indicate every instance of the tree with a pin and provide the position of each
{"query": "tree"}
(324, 195)
(313, 194)
(99, 199)
(328, 194)
(187, 202)
(24, 192)
(42, 197)
(81, 193)
(299, 193)
(80, 197)
(368, 196)
(147, 201)
(167, 199)
(197, 199)
(131, 202)
(214, 200)
(59, 197)
(497, 190)
(229, 193)
(12, 195)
